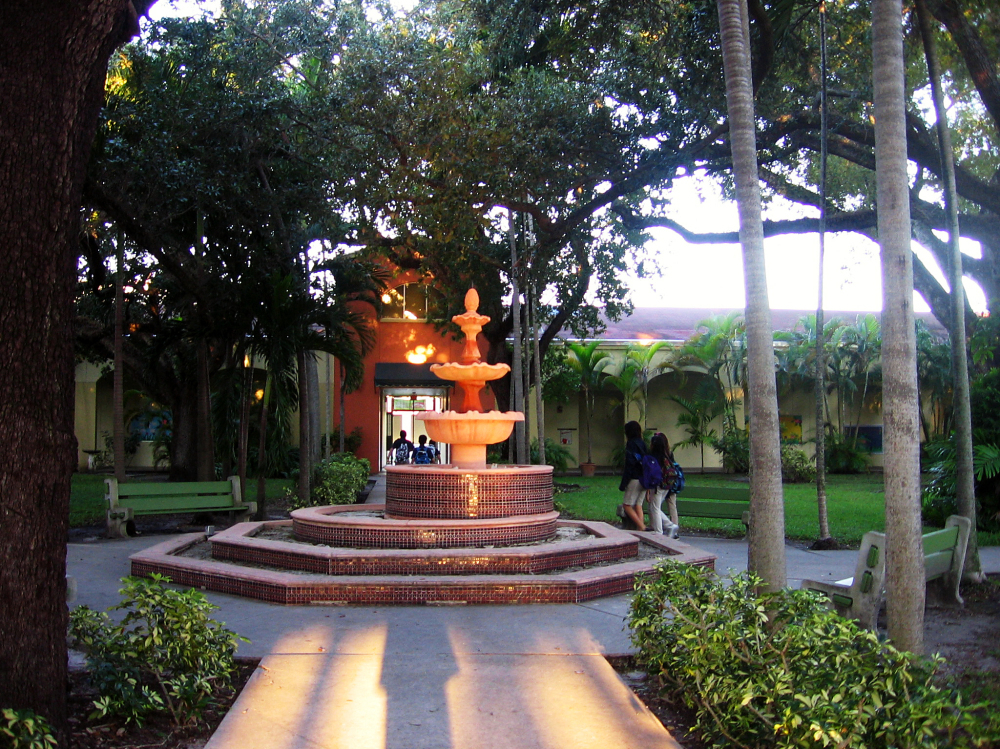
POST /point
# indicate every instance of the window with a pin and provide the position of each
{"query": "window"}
(412, 301)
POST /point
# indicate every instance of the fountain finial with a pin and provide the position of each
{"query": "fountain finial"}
(471, 323)
(471, 300)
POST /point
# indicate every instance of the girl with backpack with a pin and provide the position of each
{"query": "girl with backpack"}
(659, 448)
(635, 450)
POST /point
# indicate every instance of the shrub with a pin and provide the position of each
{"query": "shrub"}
(796, 466)
(782, 670)
(843, 456)
(336, 481)
(734, 447)
(166, 656)
(23, 729)
(352, 440)
(939, 499)
(556, 455)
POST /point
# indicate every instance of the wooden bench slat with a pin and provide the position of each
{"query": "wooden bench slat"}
(713, 492)
(164, 488)
(711, 509)
(940, 540)
(146, 505)
(938, 564)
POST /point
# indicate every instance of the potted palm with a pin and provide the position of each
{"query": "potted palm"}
(590, 365)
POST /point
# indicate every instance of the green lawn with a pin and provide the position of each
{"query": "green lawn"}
(87, 505)
(855, 505)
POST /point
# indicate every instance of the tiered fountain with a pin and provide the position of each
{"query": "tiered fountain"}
(465, 531)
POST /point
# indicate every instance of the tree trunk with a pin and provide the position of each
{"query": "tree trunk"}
(305, 430)
(539, 403)
(119, 373)
(904, 554)
(820, 383)
(262, 464)
(520, 457)
(312, 373)
(53, 57)
(184, 439)
(964, 469)
(343, 416)
(767, 532)
(206, 446)
(246, 392)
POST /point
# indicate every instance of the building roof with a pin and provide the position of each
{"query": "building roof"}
(679, 324)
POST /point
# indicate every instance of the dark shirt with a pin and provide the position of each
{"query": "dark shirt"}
(396, 444)
(634, 450)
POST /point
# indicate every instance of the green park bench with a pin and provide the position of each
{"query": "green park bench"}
(128, 500)
(860, 597)
(714, 502)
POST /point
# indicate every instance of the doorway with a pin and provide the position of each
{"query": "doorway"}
(399, 406)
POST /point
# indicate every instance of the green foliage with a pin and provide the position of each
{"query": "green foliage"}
(843, 455)
(699, 412)
(560, 381)
(336, 481)
(352, 441)
(782, 670)
(984, 399)
(556, 455)
(165, 656)
(23, 729)
(796, 466)
(734, 447)
(940, 494)
(106, 458)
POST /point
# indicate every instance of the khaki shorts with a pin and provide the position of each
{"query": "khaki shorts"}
(634, 493)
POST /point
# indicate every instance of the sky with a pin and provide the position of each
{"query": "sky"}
(695, 275)
(712, 275)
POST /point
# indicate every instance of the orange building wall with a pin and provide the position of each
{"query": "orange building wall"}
(394, 340)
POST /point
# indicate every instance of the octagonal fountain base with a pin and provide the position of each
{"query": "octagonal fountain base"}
(602, 560)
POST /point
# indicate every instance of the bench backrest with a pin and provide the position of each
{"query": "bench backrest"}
(183, 495)
(716, 493)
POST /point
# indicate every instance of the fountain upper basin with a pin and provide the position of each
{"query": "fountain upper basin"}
(469, 428)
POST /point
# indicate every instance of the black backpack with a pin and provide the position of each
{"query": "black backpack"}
(403, 453)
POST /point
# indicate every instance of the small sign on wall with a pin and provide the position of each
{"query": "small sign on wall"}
(566, 436)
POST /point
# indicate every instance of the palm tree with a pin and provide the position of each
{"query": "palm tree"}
(699, 412)
(965, 485)
(720, 349)
(767, 534)
(642, 356)
(590, 365)
(904, 554)
(628, 382)
(863, 343)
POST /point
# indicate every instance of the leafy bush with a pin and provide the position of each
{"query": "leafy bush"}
(106, 458)
(352, 441)
(556, 455)
(796, 466)
(782, 670)
(843, 455)
(336, 481)
(940, 493)
(23, 729)
(166, 656)
(734, 447)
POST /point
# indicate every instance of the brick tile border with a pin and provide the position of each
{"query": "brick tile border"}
(291, 588)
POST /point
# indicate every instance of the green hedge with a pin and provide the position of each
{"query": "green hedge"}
(782, 670)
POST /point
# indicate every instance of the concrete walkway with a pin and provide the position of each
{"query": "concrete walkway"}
(423, 677)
